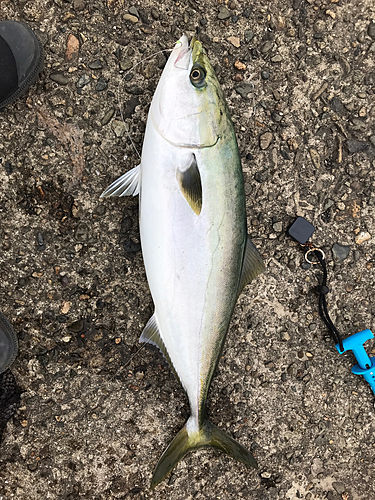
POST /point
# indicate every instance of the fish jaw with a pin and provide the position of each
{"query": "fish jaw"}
(183, 114)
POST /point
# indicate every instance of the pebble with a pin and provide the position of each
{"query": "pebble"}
(262, 177)
(371, 30)
(340, 252)
(354, 146)
(244, 89)
(339, 487)
(72, 48)
(97, 64)
(131, 18)
(276, 59)
(118, 127)
(248, 36)
(224, 13)
(315, 158)
(278, 227)
(131, 246)
(284, 336)
(108, 116)
(101, 85)
(234, 40)
(266, 46)
(83, 80)
(240, 66)
(265, 140)
(133, 11)
(362, 237)
(59, 78)
(265, 75)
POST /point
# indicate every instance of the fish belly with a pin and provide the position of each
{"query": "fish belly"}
(193, 262)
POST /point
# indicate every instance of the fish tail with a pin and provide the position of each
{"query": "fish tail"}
(207, 435)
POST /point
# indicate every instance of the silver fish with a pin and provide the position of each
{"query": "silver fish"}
(196, 251)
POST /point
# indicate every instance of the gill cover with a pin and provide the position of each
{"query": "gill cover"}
(186, 106)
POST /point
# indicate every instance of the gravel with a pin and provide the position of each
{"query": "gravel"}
(96, 413)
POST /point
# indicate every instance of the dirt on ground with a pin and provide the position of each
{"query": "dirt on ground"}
(96, 414)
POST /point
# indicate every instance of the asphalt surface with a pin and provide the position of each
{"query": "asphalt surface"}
(95, 413)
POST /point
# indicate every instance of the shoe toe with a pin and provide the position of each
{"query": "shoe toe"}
(8, 344)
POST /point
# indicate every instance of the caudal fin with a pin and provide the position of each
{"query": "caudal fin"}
(208, 435)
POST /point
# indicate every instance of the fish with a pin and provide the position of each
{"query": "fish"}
(193, 229)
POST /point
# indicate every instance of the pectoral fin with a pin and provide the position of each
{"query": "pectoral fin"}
(190, 184)
(151, 335)
(252, 265)
(126, 185)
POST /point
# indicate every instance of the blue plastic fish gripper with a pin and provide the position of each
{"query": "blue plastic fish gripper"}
(365, 365)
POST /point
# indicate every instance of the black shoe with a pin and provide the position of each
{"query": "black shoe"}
(8, 344)
(21, 60)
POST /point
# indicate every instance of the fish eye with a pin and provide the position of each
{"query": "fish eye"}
(197, 76)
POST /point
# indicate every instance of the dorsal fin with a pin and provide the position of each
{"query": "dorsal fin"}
(252, 265)
(190, 184)
(151, 335)
(126, 185)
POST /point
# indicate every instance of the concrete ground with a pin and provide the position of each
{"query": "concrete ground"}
(96, 414)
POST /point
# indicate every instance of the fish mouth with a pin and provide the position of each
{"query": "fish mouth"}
(183, 59)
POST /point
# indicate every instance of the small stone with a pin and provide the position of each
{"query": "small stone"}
(265, 140)
(67, 339)
(118, 127)
(234, 40)
(97, 64)
(203, 22)
(362, 237)
(79, 5)
(126, 64)
(339, 487)
(276, 59)
(133, 11)
(315, 157)
(291, 32)
(83, 81)
(131, 18)
(265, 475)
(72, 48)
(76, 327)
(59, 78)
(101, 85)
(354, 146)
(278, 227)
(305, 265)
(244, 89)
(266, 46)
(9, 169)
(265, 75)
(131, 246)
(248, 36)
(340, 252)
(284, 336)
(362, 112)
(371, 30)
(262, 177)
(341, 206)
(108, 116)
(65, 307)
(330, 13)
(224, 13)
(239, 65)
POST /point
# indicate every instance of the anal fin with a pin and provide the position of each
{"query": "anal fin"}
(151, 335)
(252, 265)
(126, 185)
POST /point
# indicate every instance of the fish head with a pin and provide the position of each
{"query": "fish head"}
(188, 108)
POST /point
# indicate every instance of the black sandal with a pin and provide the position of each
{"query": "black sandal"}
(21, 60)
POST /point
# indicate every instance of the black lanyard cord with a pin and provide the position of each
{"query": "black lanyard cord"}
(323, 310)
